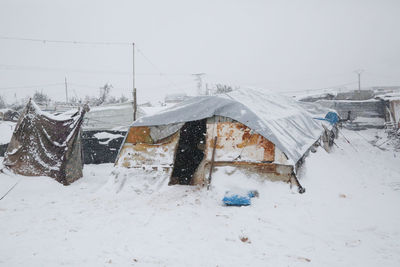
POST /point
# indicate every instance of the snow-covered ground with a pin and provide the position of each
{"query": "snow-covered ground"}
(349, 216)
(6, 131)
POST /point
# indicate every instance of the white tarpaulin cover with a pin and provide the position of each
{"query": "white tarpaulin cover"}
(278, 118)
(115, 117)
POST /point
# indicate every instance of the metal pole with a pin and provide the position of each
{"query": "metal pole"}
(359, 79)
(66, 90)
(133, 83)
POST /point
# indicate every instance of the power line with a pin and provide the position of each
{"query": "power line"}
(44, 41)
(40, 68)
(31, 86)
(155, 67)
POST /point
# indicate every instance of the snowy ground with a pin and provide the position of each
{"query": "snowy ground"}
(349, 216)
(6, 131)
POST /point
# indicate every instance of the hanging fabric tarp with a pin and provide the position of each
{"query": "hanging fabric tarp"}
(46, 145)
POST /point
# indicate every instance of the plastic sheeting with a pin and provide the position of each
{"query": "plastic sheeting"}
(319, 112)
(162, 131)
(48, 145)
(279, 119)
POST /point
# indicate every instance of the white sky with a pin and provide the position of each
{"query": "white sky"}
(278, 45)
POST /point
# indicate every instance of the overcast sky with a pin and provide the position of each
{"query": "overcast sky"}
(277, 45)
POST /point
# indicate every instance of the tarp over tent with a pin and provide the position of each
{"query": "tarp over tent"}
(278, 118)
(111, 117)
(46, 145)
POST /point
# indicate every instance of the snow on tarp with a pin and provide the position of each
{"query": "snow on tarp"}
(116, 117)
(110, 117)
(319, 112)
(48, 145)
(278, 118)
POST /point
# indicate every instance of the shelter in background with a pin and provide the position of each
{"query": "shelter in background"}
(392, 109)
(265, 133)
(104, 128)
(7, 114)
(329, 120)
(112, 117)
(175, 98)
(46, 145)
(359, 106)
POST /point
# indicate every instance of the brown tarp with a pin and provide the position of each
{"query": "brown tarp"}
(46, 145)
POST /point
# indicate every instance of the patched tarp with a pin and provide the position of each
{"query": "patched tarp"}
(321, 113)
(278, 118)
(46, 145)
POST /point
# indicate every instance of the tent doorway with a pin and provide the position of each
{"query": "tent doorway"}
(190, 151)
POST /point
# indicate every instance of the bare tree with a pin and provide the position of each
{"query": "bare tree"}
(104, 92)
(40, 97)
(223, 88)
(112, 100)
(123, 99)
(2, 102)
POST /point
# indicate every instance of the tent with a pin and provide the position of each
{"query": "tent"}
(111, 117)
(46, 145)
(104, 128)
(248, 129)
(329, 120)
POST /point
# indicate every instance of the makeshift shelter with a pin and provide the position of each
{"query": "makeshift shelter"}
(111, 117)
(328, 119)
(104, 128)
(43, 144)
(248, 129)
(392, 109)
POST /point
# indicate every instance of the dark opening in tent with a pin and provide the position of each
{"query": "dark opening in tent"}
(190, 152)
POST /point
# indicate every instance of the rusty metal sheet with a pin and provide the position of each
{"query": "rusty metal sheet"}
(145, 155)
(266, 167)
(269, 171)
(236, 139)
(139, 134)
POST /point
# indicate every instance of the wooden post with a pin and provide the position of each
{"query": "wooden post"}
(212, 162)
(133, 83)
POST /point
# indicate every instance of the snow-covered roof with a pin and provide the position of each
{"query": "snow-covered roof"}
(278, 118)
(390, 96)
(110, 117)
(315, 109)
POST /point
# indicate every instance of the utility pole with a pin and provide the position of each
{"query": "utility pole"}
(133, 83)
(199, 79)
(66, 90)
(359, 79)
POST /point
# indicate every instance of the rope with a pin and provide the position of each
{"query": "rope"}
(10, 189)
(349, 142)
